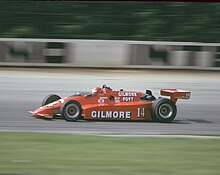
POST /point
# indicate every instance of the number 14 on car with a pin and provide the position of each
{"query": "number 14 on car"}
(140, 112)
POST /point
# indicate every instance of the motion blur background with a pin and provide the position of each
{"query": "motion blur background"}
(146, 35)
(110, 33)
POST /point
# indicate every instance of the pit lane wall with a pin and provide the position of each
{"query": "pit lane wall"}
(109, 53)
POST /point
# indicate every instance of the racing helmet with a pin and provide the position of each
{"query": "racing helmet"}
(96, 90)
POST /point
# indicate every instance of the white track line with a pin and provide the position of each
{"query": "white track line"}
(169, 136)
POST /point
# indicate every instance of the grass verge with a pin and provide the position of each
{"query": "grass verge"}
(65, 154)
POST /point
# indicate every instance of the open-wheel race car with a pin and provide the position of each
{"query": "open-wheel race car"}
(108, 104)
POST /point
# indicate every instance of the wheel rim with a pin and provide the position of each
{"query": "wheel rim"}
(72, 111)
(166, 111)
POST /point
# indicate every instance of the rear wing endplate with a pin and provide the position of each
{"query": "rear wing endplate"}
(175, 94)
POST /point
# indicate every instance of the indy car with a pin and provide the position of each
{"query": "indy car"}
(108, 104)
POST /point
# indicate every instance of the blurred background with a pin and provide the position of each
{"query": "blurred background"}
(110, 33)
(119, 34)
(169, 21)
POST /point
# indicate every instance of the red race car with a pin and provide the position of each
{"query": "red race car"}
(108, 104)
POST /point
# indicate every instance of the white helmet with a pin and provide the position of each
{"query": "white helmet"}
(96, 90)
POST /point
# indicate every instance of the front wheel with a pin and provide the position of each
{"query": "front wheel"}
(50, 98)
(71, 110)
(163, 110)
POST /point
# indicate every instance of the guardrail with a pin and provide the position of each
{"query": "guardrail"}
(109, 53)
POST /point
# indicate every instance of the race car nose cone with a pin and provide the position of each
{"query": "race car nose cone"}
(34, 113)
(30, 112)
(42, 112)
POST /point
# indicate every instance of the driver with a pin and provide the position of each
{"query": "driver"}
(97, 90)
(106, 87)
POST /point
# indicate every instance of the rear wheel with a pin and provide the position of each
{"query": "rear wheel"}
(71, 111)
(50, 98)
(163, 110)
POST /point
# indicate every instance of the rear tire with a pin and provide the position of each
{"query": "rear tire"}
(163, 110)
(50, 98)
(71, 110)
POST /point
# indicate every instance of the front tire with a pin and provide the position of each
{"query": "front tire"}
(163, 110)
(71, 110)
(50, 98)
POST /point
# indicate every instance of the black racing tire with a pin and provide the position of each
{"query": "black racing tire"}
(163, 110)
(71, 110)
(50, 98)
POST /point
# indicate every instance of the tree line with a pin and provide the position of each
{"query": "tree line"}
(152, 21)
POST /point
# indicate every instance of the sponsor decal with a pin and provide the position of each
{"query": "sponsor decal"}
(117, 99)
(128, 99)
(101, 100)
(127, 94)
(111, 114)
(184, 96)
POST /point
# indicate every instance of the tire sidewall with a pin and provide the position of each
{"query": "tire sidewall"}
(156, 107)
(50, 98)
(65, 107)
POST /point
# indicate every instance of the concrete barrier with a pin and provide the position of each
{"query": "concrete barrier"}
(179, 58)
(55, 52)
(204, 59)
(93, 53)
(109, 53)
(139, 54)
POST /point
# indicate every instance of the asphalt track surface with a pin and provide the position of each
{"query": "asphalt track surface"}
(22, 90)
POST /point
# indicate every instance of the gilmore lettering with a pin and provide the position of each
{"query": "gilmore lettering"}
(111, 114)
(127, 94)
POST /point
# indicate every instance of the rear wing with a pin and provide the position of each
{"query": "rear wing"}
(175, 94)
